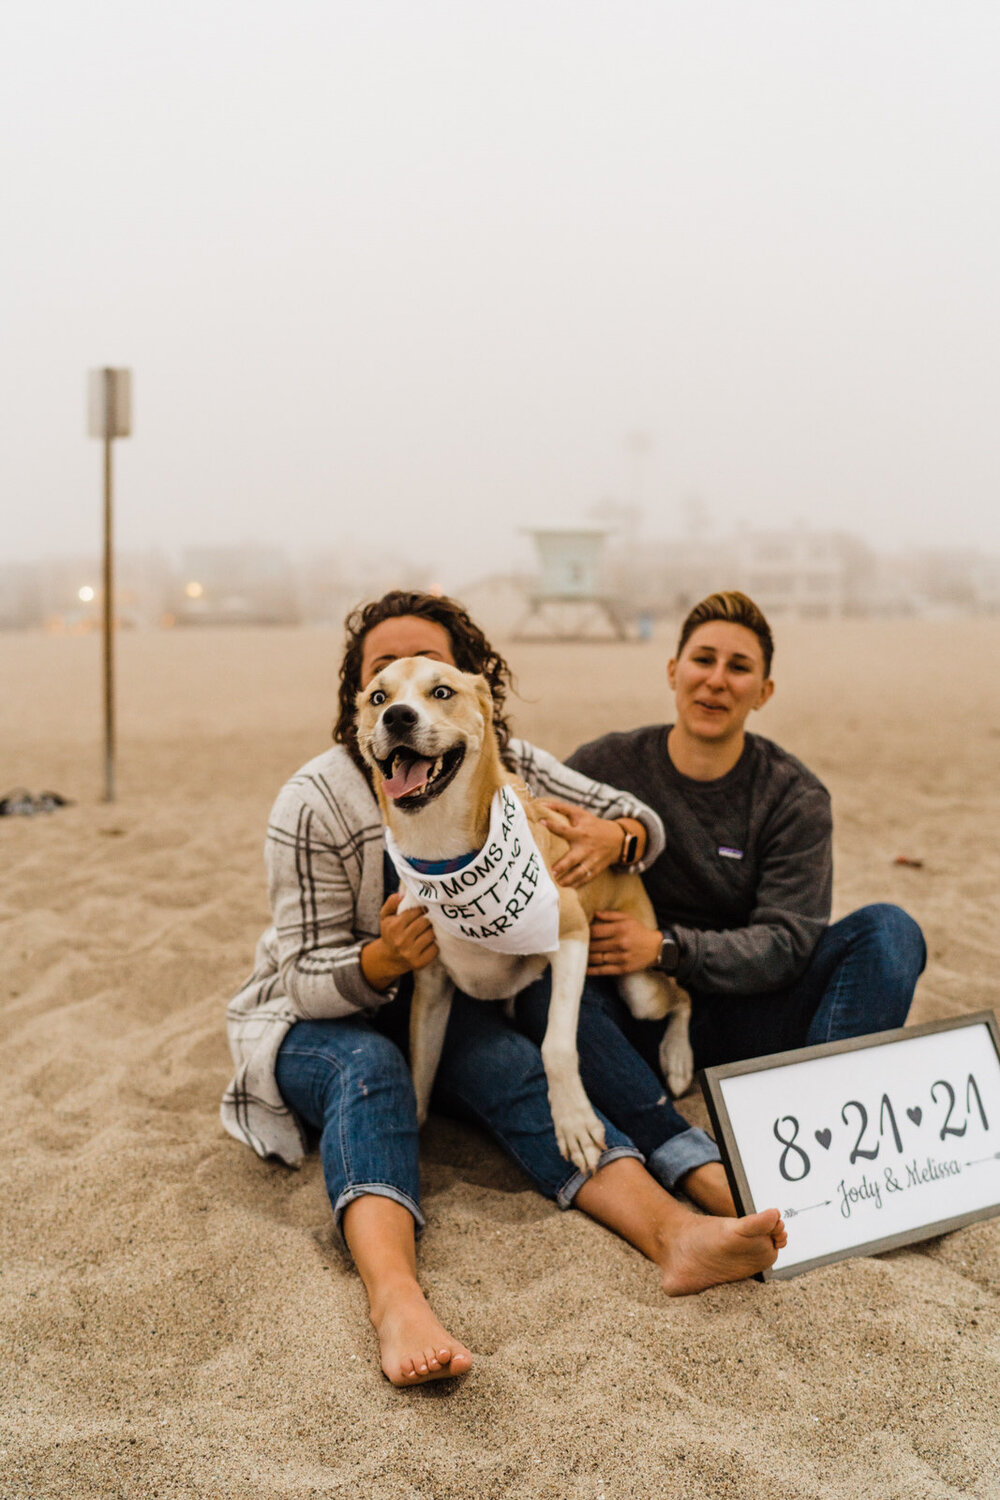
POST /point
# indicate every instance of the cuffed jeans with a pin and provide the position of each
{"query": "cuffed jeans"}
(348, 1079)
(622, 1082)
(860, 979)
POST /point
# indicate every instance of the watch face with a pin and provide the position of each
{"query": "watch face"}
(669, 954)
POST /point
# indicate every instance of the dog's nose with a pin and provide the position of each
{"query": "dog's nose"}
(399, 716)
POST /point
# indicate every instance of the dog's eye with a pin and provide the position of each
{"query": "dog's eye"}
(377, 698)
(443, 692)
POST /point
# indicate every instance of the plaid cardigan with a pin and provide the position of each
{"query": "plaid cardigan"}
(325, 880)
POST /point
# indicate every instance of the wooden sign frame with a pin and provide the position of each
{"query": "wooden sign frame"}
(740, 1163)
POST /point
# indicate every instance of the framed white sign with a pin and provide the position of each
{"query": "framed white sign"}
(865, 1144)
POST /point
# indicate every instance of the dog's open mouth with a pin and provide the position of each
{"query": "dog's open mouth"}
(411, 779)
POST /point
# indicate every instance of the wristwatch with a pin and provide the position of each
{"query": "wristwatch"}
(630, 846)
(670, 953)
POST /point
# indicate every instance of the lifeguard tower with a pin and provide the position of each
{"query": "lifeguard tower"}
(567, 604)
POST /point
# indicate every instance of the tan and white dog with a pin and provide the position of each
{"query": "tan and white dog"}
(426, 729)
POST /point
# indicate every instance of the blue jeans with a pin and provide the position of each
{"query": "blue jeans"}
(860, 979)
(620, 1081)
(348, 1079)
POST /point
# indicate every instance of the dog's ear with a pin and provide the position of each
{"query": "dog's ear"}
(485, 698)
(360, 703)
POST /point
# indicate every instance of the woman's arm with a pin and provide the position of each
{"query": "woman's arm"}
(548, 778)
(315, 835)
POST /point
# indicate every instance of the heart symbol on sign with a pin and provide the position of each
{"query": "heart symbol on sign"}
(916, 1114)
(824, 1137)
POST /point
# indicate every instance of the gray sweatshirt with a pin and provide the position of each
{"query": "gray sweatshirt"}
(745, 878)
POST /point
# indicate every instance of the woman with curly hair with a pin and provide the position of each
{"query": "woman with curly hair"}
(314, 1030)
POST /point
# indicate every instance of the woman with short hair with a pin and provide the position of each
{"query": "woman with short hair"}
(742, 890)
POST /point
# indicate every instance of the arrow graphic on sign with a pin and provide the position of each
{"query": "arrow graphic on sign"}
(791, 1213)
(980, 1159)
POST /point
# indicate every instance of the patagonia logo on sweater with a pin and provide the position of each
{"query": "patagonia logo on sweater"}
(728, 852)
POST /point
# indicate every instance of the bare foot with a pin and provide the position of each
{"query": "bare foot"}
(414, 1346)
(708, 1186)
(708, 1251)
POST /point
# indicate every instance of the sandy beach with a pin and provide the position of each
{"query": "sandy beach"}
(179, 1319)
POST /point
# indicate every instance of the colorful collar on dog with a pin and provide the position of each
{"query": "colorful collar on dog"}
(440, 866)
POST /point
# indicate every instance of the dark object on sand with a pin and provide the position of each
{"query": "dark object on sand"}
(911, 864)
(16, 803)
(20, 803)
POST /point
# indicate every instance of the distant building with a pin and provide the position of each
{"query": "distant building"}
(944, 581)
(793, 572)
(71, 594)
(986, 585)
(71, 590)
(20, 596)
(248, 585)
(333, 582)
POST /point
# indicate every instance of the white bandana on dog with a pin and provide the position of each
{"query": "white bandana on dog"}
(502, 897)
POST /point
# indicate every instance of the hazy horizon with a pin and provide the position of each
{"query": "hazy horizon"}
(418, 277)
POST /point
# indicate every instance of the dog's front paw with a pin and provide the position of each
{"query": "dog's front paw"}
(677, 1059)
(579, 1134)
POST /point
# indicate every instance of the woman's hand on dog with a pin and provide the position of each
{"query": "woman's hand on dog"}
(405, 942)
(620, 944)
(594, 843)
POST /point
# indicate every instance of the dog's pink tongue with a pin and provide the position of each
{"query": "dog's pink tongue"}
(407, 779)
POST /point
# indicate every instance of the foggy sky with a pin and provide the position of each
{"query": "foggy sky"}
(414, 272)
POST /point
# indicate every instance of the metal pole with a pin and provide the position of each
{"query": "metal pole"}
(109, 613)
